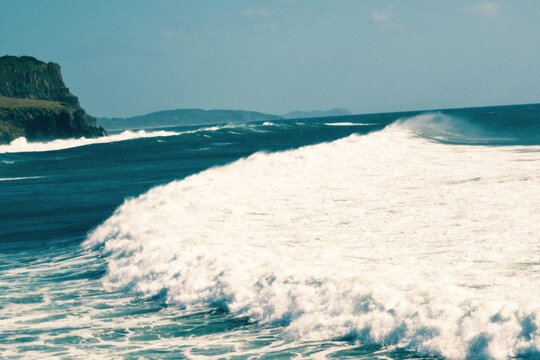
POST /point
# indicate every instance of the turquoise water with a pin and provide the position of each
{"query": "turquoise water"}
(375, 236)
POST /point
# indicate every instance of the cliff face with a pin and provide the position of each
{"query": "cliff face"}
(35, 103)
(29, 78)
(43, 120)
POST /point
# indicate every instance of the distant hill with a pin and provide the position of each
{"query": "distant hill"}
(35, 103)
(184, 117)
(316, 113)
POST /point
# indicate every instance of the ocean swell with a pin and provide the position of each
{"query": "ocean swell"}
(386, 238)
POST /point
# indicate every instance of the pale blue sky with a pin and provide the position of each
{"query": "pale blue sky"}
(132, 57)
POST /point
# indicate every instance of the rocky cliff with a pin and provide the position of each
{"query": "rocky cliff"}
(36, 104)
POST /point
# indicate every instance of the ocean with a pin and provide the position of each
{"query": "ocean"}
(387, 236)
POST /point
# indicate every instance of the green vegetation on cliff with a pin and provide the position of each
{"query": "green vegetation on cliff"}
(35, 103)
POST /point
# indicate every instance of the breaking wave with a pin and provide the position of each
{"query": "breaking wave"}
(350, 124)
(22, 145)
(388, 239)
(20, 178)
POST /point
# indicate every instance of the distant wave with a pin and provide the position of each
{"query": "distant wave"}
(20, 178)
(22, 145)
(370, 238)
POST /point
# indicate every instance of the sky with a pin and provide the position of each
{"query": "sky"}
(130, 57)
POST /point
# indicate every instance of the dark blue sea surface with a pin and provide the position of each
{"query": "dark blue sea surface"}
(62, 295)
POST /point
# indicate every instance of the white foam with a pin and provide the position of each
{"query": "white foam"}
(350, 124)
(215, 128)
(22, 145)
(386, 238)
(20, 178)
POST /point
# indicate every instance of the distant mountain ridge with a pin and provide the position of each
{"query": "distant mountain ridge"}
(316, 113)
(179, 117)
(36, 104)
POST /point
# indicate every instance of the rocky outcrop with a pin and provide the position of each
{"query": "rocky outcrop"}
(43, 120)
(36, 104)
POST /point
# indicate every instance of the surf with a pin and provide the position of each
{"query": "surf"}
(372, 238)
(22, 145)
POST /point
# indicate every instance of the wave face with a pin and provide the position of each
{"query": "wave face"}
(390, 239)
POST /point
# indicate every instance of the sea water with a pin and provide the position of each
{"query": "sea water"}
(406, 235)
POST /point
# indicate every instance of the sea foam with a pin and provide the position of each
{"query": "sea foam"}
(386, 239)
(20, 178)
(350, 124)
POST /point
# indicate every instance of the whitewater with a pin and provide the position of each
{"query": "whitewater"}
(23, 145)
(414, 240)
(368, 237)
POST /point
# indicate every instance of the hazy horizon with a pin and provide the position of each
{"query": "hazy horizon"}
(130, 58)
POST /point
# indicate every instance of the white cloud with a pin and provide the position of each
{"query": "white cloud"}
(486, 8)
(386, 20)
(380, 16)
(261, 12)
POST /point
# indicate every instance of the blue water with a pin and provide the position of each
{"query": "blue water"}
(53, 298)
